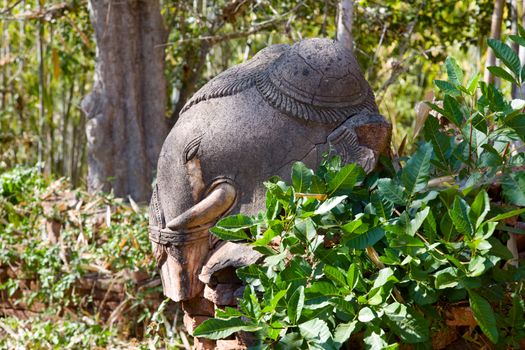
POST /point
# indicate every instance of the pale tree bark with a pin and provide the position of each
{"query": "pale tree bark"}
(126, 110)
(514, 28)
(521, 92)
(495, 33)
(345, 19)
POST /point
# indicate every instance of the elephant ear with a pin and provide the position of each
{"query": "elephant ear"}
(237, 78)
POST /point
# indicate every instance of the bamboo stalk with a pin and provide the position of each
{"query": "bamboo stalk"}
(41, 87)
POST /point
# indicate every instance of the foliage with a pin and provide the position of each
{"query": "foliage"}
(76, 271)
(41, 94)
(45, 71)
(387, 256)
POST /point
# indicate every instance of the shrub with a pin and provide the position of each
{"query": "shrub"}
(401, 255)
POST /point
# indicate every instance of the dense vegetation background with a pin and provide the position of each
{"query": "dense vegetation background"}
(78, 265)
(48, 58)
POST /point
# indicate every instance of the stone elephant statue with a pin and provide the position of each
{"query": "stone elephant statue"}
(286, 104)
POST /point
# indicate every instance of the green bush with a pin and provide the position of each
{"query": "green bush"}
(100, 237)
(382, 257)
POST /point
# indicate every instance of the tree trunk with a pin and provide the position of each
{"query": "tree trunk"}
(495, 33)
(514, 29)
(345, 19)
(126, 123)
(521, 92)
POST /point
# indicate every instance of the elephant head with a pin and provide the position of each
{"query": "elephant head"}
(287, 104)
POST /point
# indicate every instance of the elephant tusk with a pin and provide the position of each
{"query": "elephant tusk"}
(214, 205)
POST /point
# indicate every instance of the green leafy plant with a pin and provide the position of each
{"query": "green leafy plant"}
(79, 266)
(385, 257)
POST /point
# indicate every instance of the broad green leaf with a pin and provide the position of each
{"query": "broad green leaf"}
(366, 239)
(521, 30)
(502, 73)
(267, 237)
(228, 312)
(346, 306)
(274, 330)
(440, 142)
(343, 331)
(498, 249)
(274, 301)
(447, 227)
(447, 87)
(517, 123)
(506, 54)
(481, 207)
(374, 339)
(391, 191)
(407, 323)
(423, 294)
(460, 215)
(346, 178)
(251, 273)
(232, 228)
(414, 224)
(453, 111)
(472, 85)
(435, 107)
(403, 241)
(513, 185)
(329, 204)
(352, 225)
(484, 315)
(517, 312)
(430, 227)
(322, 288)
(318, 185)
(297, 271)
(295, 305)
(517, 39)
(366, 315)
(382, 206)
(305, 229)
(315, 329)
(384, 275)
(454, 72)
(335, 275)
(249, 303)
(219, 329)
(382, 287)
(446, 278)
(290, 341)
(352, 276)
(301, 177)
(507, 215)
(479, 265)
(417, 169)
(479, 122)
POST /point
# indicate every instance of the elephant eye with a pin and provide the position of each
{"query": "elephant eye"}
(191, 149)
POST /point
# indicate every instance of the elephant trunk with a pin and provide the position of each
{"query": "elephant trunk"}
(182, 245)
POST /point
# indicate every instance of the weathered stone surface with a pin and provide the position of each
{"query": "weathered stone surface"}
(229, 345)
(222, 294)
(192, 322)
(198, 306)
(287, 104)
(203, 344)
(227, 255)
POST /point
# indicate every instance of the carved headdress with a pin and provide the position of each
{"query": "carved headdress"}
(299, 82)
